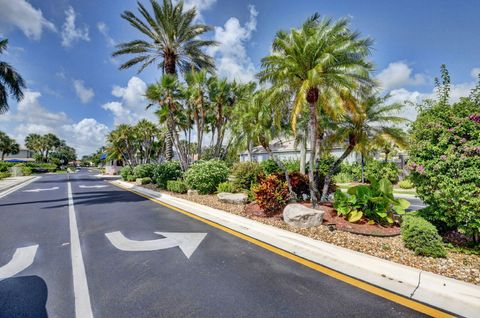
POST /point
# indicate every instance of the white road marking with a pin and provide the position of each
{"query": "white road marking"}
(15, 188)
(92, 186)
(40, 189)
(21, 259)
(83, 308)
(187, 242)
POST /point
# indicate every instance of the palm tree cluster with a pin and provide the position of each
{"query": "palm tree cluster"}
(49, 146)
(320, 91)
(8, 146)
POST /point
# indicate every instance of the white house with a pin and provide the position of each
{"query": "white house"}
(24, 155)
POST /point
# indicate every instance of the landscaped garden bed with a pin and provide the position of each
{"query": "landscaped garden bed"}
(460, 266)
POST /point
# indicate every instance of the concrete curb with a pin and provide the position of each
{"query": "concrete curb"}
(17, 186)
(442, 292)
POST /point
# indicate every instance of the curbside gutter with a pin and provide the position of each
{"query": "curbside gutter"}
(448, 294)
(14, 187)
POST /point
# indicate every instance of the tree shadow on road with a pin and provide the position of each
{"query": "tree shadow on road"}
(23, 297)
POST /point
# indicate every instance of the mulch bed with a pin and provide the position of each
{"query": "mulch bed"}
(332, 219)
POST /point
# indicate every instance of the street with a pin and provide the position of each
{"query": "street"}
(106, 252)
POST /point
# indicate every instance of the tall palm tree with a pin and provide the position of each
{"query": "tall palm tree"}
(323, 62)
(122, 144)
(10, 81)
(8, 145)
(373, 123)
(172, 39)
(147, 133)
(34, 142)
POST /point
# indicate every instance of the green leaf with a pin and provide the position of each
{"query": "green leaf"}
(386, 187)
(354, 216)
(403, 203)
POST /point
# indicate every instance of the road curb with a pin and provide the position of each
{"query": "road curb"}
(442, 292)
(17, 186)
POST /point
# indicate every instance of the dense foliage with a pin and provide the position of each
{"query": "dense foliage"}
(422, 237)
(406, 184)
(246, 174)
(445, 165)
(374, 202)
(269, 166)
(126, 172)
(205, 176)
(166, 171)
(178, 186)
(227, 187)
(144, 170)
(376, 170)
(272, 195)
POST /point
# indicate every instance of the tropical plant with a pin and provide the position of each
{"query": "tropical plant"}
(126, 172)
(272, 195)
(323, 64)
(227, 186)
(147, 134)
(205, 176)
(422, 237)
(374, 202)
(406, 184)
(178, 186)
(376, 170)
(8, 146)
(445, 163)
(170, 170)
(122, 144)
(246, 174)
(173, 39)
(144, 170)
(11, 82)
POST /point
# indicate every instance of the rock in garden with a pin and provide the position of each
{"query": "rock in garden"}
(300, 216)
(234, 198)
(192, 192)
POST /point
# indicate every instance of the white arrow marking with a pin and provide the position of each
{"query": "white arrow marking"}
(44, 189)
(187, 242)
(93, 186)
(21, 259)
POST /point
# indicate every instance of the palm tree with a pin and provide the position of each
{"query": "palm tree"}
(50, 143)
(8, 145)
(147, 133)
(10, 81)
(322, 62)
(371, 124)
(122, 144)
(172, 39)
(34, 142)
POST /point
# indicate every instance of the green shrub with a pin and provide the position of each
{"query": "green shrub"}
(353, 170)
(5, 165)
(163, 172)
(376, 170)
(269, 166)
(406, 184)
(342, 177)
(26, 171)
(227, 187)
(125, 172)
(374, 202)
(178, 186)
(445, 165)
(144, 170)
(4, 174)
(324, 163)
(205, 176)
(246, 174)
(292, 165)
(145, 180)
(131, 178)
(272, 195)
(422, 237)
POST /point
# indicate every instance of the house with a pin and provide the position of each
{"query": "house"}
(24, 155)
(286, 150)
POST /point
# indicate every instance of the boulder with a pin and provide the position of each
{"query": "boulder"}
(300, 216)
(192, 192)
(234, 198)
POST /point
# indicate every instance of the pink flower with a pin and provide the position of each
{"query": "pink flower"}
(443, 157)
(420, 169)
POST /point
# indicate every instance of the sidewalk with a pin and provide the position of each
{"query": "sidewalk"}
(14, 182)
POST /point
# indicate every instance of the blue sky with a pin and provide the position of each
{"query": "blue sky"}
(62, 48)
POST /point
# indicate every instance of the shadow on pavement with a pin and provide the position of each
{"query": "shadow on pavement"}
(23, 297)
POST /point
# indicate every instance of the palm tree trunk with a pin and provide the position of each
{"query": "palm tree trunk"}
(332, 171)
(3, 155)
(313, 145)
(249, 149)
(363, 168)
(168, 145)
(303, 152)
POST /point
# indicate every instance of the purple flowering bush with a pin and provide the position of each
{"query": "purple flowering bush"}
(445, 165)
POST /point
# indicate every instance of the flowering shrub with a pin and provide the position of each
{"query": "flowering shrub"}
(126, 172)
(246, 174)
(205, 176)
(144, 170)
(271, 195)
(445, 165)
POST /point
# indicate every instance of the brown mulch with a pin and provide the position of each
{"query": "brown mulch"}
(457, 265)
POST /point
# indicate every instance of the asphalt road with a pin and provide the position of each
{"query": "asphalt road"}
(78, 271)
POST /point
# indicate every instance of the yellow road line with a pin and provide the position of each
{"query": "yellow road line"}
(433, 312)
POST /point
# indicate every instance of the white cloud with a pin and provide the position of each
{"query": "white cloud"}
(31, 116)
(21, 14)
(84, 93)
(70, 33)
(231, 55)
(132, 104)
(399, 74)
(475, 72)
(86, 136)
(103, 29)
(200, 5)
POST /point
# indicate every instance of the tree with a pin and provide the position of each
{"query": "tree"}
(371, 123)
(8, 145)
(50, 143)
(34, 142)
(322, 62)
(147, 133)
(173, 39)
(11, 82)
(122, 144)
